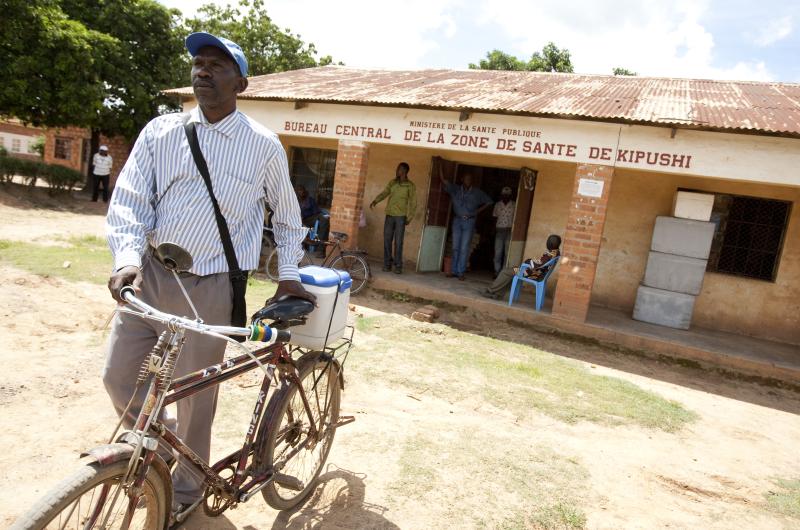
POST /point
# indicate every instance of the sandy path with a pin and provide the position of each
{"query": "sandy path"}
(712, 474)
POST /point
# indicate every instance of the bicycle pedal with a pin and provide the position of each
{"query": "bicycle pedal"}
(288, 482)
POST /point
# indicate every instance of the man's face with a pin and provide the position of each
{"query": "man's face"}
(506, 197)
(401, 172)
(301, 193)
(467, 180)
(103, 153)
(215, 77)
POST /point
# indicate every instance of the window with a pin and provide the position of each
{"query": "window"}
(749, 236)
(63, 148)
(16, 145)
(314, 169)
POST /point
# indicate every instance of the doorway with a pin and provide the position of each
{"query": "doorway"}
(436, 242)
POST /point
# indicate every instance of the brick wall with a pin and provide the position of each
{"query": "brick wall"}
(581, 245)
(75, 136)
(119, 149)
(348, 193)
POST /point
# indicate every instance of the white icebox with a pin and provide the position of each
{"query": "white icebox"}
(332, 289)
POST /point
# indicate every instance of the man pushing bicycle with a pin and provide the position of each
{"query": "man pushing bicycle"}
(202, 182)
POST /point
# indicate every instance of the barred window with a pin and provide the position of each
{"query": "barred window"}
(749, 236)
(314, 169)
(16, 145)
(63, 148)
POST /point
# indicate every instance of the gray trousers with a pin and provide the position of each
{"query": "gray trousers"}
(131, 340)
(502, 239)
(502, 281)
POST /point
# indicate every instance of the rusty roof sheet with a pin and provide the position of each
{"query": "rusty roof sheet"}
(772, 108)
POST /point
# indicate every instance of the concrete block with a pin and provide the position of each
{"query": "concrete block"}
(665, 308)
(691, 205)
(675, 273)
(683, 237)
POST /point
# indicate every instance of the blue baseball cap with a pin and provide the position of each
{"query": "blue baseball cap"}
(195, 41)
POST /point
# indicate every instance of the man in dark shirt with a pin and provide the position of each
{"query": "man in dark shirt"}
(468, 202)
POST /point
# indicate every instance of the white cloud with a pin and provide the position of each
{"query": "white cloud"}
(361, 33)
(777, 29)
(368, 33)
(648, 37)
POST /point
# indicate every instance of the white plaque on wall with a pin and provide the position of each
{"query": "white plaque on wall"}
(590, 187)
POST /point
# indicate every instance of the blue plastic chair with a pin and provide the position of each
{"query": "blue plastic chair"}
(541, 285)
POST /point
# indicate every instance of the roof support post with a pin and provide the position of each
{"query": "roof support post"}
(582, 239)
(350, 180)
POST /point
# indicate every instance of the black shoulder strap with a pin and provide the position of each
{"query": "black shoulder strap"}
(222, 225)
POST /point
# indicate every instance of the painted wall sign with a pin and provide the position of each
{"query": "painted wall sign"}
(721, 155)
(590, 188)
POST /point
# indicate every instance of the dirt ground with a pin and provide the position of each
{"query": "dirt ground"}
(713, 473)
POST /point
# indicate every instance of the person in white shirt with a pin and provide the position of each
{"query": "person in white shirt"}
(504, 213)
(101, 172)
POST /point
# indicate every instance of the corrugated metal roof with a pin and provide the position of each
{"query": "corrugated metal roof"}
(721, 105)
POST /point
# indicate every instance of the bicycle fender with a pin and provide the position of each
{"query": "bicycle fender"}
(110, 453)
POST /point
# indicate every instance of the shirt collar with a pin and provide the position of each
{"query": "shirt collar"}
(226, 126)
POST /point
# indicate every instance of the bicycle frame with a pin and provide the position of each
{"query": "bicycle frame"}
(147, 428)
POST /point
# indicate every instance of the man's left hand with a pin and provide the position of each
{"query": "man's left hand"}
(287, 288)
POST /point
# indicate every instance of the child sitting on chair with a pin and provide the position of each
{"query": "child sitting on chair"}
(536, 270)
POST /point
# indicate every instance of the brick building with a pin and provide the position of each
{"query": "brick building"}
(71, 147)
(18, 139)
(596, 159)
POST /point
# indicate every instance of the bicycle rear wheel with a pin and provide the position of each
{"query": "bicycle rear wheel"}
(92, 499)
(356, 266)
(284, 441)
(271, 268)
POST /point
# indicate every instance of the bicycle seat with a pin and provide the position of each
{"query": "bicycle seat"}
(339, 236)
(289, 311)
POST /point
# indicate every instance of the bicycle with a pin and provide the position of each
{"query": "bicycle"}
(354, 262)
(127, 484)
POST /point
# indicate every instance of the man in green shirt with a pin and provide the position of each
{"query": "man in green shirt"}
(400, 209)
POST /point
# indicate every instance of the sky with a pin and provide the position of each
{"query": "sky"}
(705, 39)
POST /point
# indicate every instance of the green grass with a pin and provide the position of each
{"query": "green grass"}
(455, 365)
(90, 261)
(89, 257)
(786, 500)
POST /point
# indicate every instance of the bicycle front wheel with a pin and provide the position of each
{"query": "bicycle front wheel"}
(271, 267)
(286, 444)
(356, 266)
(92, 498)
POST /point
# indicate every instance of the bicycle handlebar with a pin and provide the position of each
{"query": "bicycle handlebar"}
(254, 332)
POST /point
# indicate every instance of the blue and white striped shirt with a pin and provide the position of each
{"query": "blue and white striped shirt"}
(160, 195)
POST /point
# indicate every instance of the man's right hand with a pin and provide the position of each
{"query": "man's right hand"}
(372, 205)
(130, 275)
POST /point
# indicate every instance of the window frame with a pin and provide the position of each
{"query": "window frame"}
(66, 153)
(712, 265)
(293, 154)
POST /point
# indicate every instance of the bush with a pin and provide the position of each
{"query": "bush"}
(59, 178)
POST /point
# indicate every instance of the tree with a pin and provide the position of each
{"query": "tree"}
(498, 60)
(551, 59)
(51, 66)
(623, 71)
(268, 48)
(147, 58)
